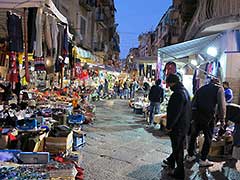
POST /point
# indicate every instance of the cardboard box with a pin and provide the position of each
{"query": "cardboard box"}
(216, 149)
(57, 145)
(160, 119)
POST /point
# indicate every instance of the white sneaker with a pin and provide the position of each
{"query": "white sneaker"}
(190, 158)
(205, 163)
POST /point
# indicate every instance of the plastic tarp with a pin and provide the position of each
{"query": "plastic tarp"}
(187, 48)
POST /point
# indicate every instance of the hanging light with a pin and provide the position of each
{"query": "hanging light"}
(212, 51)
(194, 62)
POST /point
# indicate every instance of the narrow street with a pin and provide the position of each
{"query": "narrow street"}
(119, 147)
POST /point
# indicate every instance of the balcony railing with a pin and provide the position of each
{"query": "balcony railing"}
(211, 11)
(87, 4)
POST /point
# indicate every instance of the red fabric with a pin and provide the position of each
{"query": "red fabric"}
(80, 170)
(78, 70)
(12, 137)
(84, 75)
(13, 75)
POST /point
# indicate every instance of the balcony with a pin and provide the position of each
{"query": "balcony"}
(101, 17)
(87, 4)
(214, 16)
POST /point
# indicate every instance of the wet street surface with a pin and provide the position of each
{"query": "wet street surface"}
(119, 147)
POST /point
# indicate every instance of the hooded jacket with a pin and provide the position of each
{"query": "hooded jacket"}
(179, 110)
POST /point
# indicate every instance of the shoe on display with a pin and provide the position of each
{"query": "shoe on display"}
(190, 158)
(205, 163)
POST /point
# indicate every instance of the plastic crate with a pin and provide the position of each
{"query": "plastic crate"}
(34, 157)
(27, 124)
(76, 119)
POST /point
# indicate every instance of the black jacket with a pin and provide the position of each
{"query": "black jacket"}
(179, 110)
(156, 94)
(206, 100)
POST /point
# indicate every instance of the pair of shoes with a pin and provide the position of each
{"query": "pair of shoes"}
(190, 158)
(205, 163)
(167, 164)
(150, 126)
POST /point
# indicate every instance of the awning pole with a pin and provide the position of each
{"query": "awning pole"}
(26, 46)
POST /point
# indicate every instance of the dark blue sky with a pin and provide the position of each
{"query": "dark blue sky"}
(135, 17)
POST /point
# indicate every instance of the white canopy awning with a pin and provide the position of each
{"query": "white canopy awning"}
(187, 48)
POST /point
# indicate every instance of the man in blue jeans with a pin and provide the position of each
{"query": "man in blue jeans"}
(156, 98)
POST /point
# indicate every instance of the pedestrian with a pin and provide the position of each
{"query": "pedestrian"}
(204, 104)
(105, 87)
(146, 88)
(125, 89)
(156, 98)
(134, 88)
(228, 92)
(178, 122)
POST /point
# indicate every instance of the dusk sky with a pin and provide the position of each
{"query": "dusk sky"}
(135, 17)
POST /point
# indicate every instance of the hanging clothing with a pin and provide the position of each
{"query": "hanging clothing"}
(196, 81)
(47, 33)
(59, 61)
(71, 58)
(219, 71)
(141, 70)
(15, 32)
(13, 74)
(39, 33)
(54, 31)
(32, 12)
(149, 71)
(65, 42)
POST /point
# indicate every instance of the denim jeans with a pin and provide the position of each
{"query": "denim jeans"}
(126, 93)
(154, 109)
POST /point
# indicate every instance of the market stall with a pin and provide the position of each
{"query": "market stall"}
(40, 119)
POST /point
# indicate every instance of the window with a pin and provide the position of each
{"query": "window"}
(82, 25)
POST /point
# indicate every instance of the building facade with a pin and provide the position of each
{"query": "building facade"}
(92, 22)
(220, 16)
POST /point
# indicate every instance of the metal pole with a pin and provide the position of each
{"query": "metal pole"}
(26, 46)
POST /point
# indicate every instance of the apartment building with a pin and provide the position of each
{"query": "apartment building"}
(92, 22)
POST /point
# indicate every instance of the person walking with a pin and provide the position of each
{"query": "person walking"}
(228, 92)
(178, 123)
(156, 98)
(126, 89)
(205, 101)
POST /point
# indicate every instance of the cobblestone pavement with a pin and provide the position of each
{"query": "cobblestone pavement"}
(119, 147)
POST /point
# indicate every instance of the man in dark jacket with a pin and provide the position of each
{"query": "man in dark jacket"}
(205, 102)
(156, 98)
(178, 122)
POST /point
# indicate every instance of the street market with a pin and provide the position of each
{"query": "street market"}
(73, 107)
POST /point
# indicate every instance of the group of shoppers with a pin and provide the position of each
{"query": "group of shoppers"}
(126, 89)
(188, 118)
